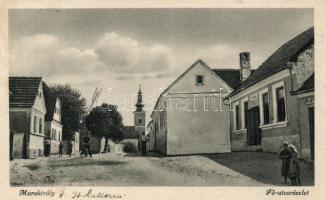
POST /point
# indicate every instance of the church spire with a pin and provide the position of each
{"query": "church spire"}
(139, 105)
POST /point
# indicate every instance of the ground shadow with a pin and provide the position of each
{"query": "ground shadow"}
(148, 154)
(88, 163)
(261, 166)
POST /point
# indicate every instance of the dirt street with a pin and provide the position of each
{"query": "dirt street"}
(120, 170)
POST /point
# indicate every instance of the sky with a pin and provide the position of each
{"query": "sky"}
(119, 49)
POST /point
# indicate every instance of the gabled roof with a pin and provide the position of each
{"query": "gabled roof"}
(308, 85)
(279, 59)
(23, 91)
(130, 132)
(199, 61)
(50, 101)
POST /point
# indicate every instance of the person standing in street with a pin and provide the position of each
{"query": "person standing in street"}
(69, 147)
(143, 143)
(60, 149)
(285, 156)
(87, 146)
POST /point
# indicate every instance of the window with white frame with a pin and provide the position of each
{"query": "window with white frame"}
(236, 116)
(279, 103)
(264, 106)
(244, 113)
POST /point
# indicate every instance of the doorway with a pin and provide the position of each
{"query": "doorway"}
(253, 130)
(311, 114)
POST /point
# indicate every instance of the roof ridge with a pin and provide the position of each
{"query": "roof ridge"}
(38, 77)
(278, 60)
(226, 69)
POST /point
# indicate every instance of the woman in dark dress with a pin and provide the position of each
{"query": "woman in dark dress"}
(285, 156)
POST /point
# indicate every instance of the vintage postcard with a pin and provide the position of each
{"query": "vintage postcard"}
(162, 101)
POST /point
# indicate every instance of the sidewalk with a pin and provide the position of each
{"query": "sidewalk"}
(261, 166)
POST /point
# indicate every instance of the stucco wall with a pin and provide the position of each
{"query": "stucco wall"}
(190, 127)
(36, 146)
(304, 126)
(271, 137)
(201, 131)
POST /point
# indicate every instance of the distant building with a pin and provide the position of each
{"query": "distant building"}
(132, 133)
(139, 117)
(130, 138)
(53, 126)
(190, 117)
(27, 113)
(265, 113)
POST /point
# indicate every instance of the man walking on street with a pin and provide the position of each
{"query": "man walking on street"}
(86, 145)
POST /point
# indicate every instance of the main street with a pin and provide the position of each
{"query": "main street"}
(119, 170)
(230, 169)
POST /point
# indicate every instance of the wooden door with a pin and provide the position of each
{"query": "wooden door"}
(253, 130)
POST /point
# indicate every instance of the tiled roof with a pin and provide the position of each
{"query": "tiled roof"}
(230, 76)
(23, 91)
(308, 85)
(50, 100)
(130, 132)
(279, 59)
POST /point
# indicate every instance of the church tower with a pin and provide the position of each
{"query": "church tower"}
(139, 114)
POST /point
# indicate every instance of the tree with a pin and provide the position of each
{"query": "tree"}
(105, 121)
(73, 107)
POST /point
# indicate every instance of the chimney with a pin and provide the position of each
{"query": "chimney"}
(244, 65)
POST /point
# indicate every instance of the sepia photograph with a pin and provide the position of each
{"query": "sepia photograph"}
(161, 97)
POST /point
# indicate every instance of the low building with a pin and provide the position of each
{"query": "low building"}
(264, 113)
(75, 144)
(190, 117)
(130, 141)
(53, 126)
(27, 113)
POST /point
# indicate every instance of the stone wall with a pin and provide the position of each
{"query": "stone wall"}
(304, 66)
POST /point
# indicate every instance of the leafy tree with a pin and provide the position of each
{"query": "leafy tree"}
(73, 106)
(105, 121)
